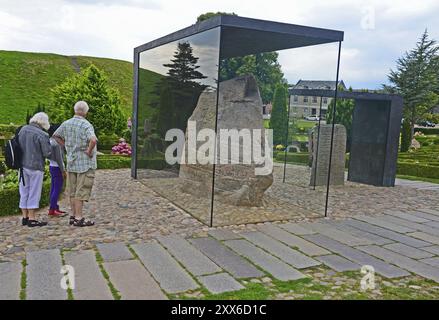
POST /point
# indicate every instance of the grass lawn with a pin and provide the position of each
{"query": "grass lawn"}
(323, 283)
(26, 79)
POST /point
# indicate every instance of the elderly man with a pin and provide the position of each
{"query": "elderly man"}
(79, 139)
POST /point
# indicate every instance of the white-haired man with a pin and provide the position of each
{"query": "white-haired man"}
(35, 148)
(78, 137)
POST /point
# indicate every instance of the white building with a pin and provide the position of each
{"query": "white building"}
(303, 106)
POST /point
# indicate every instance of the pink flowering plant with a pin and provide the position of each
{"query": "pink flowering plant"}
(122, 148)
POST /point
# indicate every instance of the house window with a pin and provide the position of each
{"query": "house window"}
(314, 99)
(296, 98)
(325, 100)
(305, 99)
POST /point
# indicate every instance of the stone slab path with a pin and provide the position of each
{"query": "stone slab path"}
(395, 244)
(90, 283)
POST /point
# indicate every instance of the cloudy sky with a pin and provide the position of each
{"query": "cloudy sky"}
(377, 32)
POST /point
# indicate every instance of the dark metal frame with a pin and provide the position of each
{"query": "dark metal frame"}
(393, 105)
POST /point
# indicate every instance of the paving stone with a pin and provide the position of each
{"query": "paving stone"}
(431, 261)
(278, 249)
(277, 268)
(432, 249)
(292, 240)
(296, 229)
(336, 234)
(375, 239)
(422, 269)
(386, 233)
(89, 281)
(222, 234)
(384, 224)
(339, 263)
(414, 225)
(169, 274)
(430, 211)
(10, 280)
(43, 275)
(220, 282)
(116, 251)
(434, 224)
(425, 236)
(357, 256)
(226, 258)
(427, 216)
(408, 251)
(406, 216)
(132, 281)
(190, 257)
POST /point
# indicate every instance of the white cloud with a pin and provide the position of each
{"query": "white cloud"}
(110, 28)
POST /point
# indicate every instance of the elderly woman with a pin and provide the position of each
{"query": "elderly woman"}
(35, 147)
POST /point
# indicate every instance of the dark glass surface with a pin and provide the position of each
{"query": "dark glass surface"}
(172, 78)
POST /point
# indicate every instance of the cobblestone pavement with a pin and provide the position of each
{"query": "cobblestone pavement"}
(296, 200)
(123, 209)
(151, 249)
(328, 259)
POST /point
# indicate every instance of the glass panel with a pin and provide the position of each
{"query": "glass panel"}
(176, 94)
(243, 192)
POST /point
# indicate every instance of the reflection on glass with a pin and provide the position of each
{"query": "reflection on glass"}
(171, 81)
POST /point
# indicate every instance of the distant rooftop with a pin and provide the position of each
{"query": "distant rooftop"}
(317, 84)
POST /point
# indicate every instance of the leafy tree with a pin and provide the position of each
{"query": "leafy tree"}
(91, 86)
(264, 66)
(343, 115)
(416, 79)
(279, 115)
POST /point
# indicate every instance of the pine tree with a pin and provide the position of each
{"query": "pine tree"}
(279, 116)
(184, 65)
(416, 80)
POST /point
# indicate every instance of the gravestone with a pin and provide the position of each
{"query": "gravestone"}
(239, 107)
(320, 160)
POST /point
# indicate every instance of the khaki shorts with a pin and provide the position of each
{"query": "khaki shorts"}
(79, 185)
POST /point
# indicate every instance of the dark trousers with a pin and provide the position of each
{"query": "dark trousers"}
(56, 186)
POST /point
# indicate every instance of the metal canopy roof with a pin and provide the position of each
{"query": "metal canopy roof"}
(242, 36)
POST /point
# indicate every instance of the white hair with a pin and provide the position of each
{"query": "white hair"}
(81, 107)
(41, 119)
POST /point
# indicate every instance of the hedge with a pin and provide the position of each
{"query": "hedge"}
(8, 128)
(292, 157)
(418, 170)
(427, 131)
(113, 162)
(10, 198)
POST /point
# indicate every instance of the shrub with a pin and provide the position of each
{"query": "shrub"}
(418, 170)
(10, 198)
(427, 131)
(106, 142)
(121, 148)
(405, 136)
(301, 158)
(113, 162)
(8, 129)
